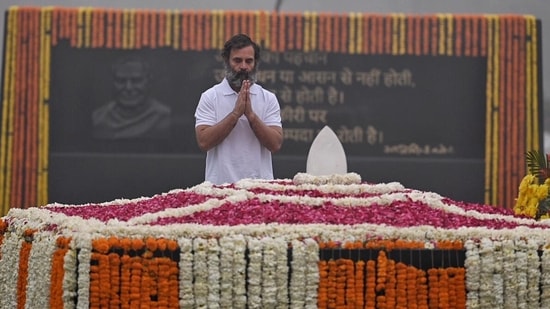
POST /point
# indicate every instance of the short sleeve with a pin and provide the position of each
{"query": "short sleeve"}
(205, 113)
(273, 112)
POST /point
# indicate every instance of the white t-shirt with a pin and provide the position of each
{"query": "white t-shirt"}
(240, 155)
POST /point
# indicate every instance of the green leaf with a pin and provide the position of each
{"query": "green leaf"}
(536, 162)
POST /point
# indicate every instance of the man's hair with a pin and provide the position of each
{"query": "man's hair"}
(239, 41)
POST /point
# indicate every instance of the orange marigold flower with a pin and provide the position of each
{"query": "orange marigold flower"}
(100, 245)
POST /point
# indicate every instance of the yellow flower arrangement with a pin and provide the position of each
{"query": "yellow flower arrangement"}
(533, 200)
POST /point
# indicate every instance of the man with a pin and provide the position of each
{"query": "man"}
(133, 113)
(238, 123)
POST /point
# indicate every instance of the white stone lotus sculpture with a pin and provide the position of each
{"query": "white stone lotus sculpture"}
(326, 155)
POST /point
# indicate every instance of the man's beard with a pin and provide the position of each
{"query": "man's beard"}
(236, 78)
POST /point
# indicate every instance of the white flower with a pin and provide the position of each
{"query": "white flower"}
(346, 179)
(84, 244)
(472, 265)
(498, 283)
(40, 267)
(545, 278)
(226, 271)
(533, 273)
(280, 246)
(239, 272)
(298, 275)
(269, 273)
(509, 272)
(254, 287)
(522, 276)
(187, 299)
(312, 272)
(9, 266)
(490, 283)
(200, 272)
(213, 273)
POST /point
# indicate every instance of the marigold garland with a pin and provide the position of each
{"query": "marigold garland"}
(382, 282)
(7, 110)
(307, 32)
(153, 28)
(120, 277)
(502, 103)
(32, 106)
(352, 41)
(281, 22)
(18, 130)
(56, 288)
(118, 29)
(23, 270)
(410, 24)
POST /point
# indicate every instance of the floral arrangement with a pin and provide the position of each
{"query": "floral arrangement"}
(533, 200)
(313, 242)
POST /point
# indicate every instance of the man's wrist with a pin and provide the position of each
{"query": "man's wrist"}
(252, 117)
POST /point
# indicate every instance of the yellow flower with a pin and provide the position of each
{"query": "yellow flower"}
(542, 192)
(525, 182)
(531, 207)
(529, 196)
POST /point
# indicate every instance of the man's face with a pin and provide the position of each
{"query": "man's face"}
(241, 66)
(131, 83)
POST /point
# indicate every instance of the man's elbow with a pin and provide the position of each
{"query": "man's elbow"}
(276, 146)
(202, 140)
(274, 149)
(276, 140)
(203, 145)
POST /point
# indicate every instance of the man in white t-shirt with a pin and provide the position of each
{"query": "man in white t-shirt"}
(237, 122)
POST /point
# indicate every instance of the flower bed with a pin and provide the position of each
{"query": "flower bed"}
(309, 241)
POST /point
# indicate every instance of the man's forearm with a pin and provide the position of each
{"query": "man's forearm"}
(210, 136)
(271, 137)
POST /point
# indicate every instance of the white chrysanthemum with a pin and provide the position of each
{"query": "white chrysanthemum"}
(533, 274)
(311, 255)
(345, 179)
(472, 265)
(545, 278)
(76, 283)
(187, 299)
(282, 272)
(9, 264)
(227, 246)
(40, 267)
(298, 275)
(269, 273)
(487, 298)
(509, 272)
(200, 272)
(213, 273)
(254, 287)
(239, 272)
(522, 276)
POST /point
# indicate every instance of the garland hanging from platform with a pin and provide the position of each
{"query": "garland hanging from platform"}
(510, 43)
